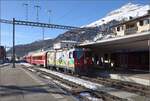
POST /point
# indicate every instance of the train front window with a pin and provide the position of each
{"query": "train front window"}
(78, 54)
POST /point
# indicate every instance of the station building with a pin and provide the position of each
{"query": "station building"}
(128, 50)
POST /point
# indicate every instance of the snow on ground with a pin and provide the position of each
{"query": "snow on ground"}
(26, 64)
(89, 97)
(5, 64)
(93, 86)
(79, 81)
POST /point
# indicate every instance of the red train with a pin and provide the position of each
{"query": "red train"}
(77, 60)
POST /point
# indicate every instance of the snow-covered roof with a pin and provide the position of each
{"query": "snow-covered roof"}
(68, 41)
(39, 53)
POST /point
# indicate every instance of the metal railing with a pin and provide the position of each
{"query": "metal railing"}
(131, 30)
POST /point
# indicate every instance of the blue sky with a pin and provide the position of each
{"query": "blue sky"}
(64, 12)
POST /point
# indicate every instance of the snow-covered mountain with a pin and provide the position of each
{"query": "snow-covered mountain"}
(123, 13)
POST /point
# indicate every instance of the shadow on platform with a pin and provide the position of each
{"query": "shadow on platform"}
(4, 65)
(12, 90)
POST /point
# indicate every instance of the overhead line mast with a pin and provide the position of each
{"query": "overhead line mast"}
(27, 23)
(38, 24)
(49, 12)
(37, 7)
(26, 8)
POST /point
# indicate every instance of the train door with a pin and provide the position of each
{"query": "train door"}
(78, 60)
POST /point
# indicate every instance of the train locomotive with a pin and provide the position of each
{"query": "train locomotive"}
(75, 60)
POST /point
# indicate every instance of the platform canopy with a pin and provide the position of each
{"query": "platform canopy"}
(134, 42)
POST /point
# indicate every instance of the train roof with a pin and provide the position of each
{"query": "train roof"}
(39, 53)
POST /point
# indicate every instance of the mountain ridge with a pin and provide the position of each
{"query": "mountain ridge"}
(124, 12)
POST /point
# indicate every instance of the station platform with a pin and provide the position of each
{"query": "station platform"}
(133, 76)
(18, 84)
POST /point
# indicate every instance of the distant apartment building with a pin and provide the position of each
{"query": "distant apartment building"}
(133, 26)
(65, 44)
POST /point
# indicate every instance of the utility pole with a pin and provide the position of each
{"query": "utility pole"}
(37, 12)
(149, 52)
(13, 43)
(26, 7)
(43, 32)
(37, 19)
(149, 56)
(0, 23)
(0, 34)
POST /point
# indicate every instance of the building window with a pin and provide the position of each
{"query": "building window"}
(118, 29)
(132, 25)
(146, 21)
(67, 45)
(141, 23)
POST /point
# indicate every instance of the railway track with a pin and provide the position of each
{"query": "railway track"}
(77, 89)
(131, 87)
(127, 86)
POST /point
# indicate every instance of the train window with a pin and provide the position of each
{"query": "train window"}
(141, 23)
(38, 58)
